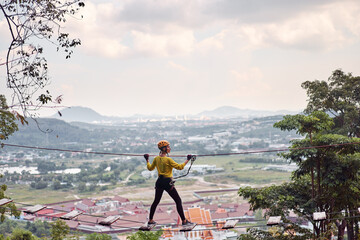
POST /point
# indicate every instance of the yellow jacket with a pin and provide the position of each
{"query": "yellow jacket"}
(164, 166)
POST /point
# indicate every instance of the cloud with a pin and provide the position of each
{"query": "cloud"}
(155, 14)
(260, 11)
(209, 44)
(4, 29)
(110, 48)
(150, 28)
(3, 54)
(96, 31)
(249, 83)
(177, 41)
(326, 28)
(67, 89)
(346, 16)
(178, 67)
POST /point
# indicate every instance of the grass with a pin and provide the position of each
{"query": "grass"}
(230, 162)
(25, 194)
(251, 176)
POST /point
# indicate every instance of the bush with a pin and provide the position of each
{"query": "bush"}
(98, 236)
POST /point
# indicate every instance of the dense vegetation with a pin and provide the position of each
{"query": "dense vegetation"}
(87, 180)
(327, 179)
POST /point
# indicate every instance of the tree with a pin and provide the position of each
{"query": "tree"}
(39, 228)
(56, 185)
(333, 167)
(7, 120)
(338, 181)
(26, 69)
(280, 201)
(307, 125)
(21, 234)
(340, 97)
(9, 207)
(280, 233)
(82, 187)
(59, 230)
(141, 235)
(7, 226)
(103, 166)
(98, 236)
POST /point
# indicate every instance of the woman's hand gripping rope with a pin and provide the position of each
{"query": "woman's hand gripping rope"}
(191, 158)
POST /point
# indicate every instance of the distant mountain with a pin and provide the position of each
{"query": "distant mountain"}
(87, 115)
(50, 131)
(228, 112)
(80, 114)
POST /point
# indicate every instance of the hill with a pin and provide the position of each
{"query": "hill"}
(87, 115)
(80, 114)
(229, 112)
(54, 132)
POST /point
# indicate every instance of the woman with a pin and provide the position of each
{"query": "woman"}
(164, 166)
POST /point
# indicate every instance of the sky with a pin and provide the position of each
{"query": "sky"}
(186, 56)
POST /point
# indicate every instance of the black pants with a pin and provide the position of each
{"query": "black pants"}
(162, 184)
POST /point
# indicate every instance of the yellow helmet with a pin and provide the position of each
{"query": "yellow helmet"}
(162, 144)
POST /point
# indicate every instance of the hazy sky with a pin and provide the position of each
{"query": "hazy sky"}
(187, 56)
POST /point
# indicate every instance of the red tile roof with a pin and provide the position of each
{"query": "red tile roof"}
(211, 207)
(72, 224)
(88, 202)
(88, 220)
(216, 216)
(120, 199)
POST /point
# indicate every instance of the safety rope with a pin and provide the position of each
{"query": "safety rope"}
(193, 158)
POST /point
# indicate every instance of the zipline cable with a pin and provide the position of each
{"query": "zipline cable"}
(198, 155)
(68, 150)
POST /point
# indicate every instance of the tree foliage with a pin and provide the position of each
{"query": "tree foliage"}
(327, 178)
(29, 22)
(22, 234)
(338, 96)
(7, 120)
(59, 230)
(98, 236)
(141, 235)
(8, 208)
(285, 232)
(306, 125)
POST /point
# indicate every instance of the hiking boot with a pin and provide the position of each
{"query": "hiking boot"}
(151, 223)
(187, 223)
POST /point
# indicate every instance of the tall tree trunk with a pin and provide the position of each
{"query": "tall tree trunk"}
(350, 228)
(341, 229)
(312, 174)
(318, 177)
(313, 198)
(312, 184)
(356, 224)
(316, 231)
